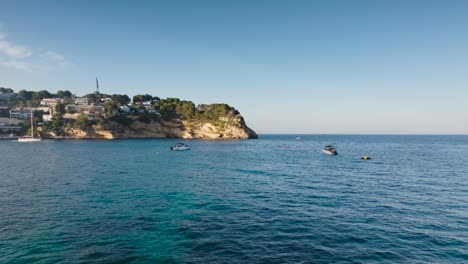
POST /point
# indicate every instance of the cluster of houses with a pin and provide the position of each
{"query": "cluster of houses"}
(80, 106)
(6, 96)
(47, 106)
(5, 125)
(10, 119)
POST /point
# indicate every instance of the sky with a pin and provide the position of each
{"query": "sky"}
(299, 67)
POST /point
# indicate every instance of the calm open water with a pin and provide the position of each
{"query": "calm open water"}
(271, 200)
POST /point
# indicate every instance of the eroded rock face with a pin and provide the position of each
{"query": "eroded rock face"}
(225, 128)
(94, 132)
(233, 128)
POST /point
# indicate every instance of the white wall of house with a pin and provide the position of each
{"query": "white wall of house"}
(47, 118)
(51, 101)
(81, 101)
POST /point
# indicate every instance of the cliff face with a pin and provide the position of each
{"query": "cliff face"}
(233, 127)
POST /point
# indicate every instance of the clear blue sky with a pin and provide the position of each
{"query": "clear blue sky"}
(288, 66)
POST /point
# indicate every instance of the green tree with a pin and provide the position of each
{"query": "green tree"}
(120, 99)
(60, 109)
(25, 95)
(57, 126)
(41, 95)
(215, 111)
(6, 90)
(62, 94)
(81, 121)
(140, 98)
(67, 100)
(186, 109)
(38, 115)
(111, 108)
(95, 98)
(54, 126)
(92, 98)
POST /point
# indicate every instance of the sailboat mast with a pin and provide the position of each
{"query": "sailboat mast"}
(32, 124)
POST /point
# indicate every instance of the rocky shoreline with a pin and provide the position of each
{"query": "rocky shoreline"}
(103, 116)
(228, 128)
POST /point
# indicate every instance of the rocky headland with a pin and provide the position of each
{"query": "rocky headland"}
(233, 127)
(63, 115)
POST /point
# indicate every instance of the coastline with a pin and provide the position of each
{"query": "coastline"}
(129, 138)
(65, 116)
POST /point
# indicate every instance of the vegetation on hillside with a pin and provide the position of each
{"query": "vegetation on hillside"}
(143, 107)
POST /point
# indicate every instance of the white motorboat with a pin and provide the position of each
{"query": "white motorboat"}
(30, 138)
(180, 147)
(329, 150)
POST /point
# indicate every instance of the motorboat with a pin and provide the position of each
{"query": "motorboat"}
(329, 150)
(180, 147)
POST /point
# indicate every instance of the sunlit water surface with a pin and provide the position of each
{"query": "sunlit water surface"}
(271, 200)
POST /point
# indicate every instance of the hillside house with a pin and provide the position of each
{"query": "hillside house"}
(51, 101)
(81, 101)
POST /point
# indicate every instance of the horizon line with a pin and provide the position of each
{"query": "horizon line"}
(363, 134)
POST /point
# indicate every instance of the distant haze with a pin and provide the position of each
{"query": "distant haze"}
(287, 66)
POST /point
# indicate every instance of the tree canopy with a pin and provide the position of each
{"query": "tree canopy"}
(61, 94)
(25, 95)
(141, 98)
(120, 99)
(6, 90)
(60, 109)
(168, 108)
(111, 108)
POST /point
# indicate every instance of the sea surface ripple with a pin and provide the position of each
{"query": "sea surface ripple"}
(271, 200)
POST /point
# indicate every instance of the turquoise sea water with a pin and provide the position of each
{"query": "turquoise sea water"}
(271, 200)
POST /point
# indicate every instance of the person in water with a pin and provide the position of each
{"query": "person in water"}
(365, 158)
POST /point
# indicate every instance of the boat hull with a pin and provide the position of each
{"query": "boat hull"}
(329, 152)
(179, 148)
(25, 139)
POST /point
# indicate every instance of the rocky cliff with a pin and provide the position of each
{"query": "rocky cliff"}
(229, 127)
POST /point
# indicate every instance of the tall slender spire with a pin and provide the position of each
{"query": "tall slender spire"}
(97, 86)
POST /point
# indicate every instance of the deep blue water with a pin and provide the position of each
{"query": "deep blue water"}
(271, 200)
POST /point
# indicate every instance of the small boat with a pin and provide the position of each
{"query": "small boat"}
(329, 150)
(365, 157)
(180, 147)
(30, 138)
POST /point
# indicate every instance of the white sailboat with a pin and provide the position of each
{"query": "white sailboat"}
(30, 138)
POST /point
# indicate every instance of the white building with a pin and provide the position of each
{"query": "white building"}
(81, 101)
(51, 101)
(20, 114)
(148, 107)
(84, 109)
(47, 118)
(125, 109)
